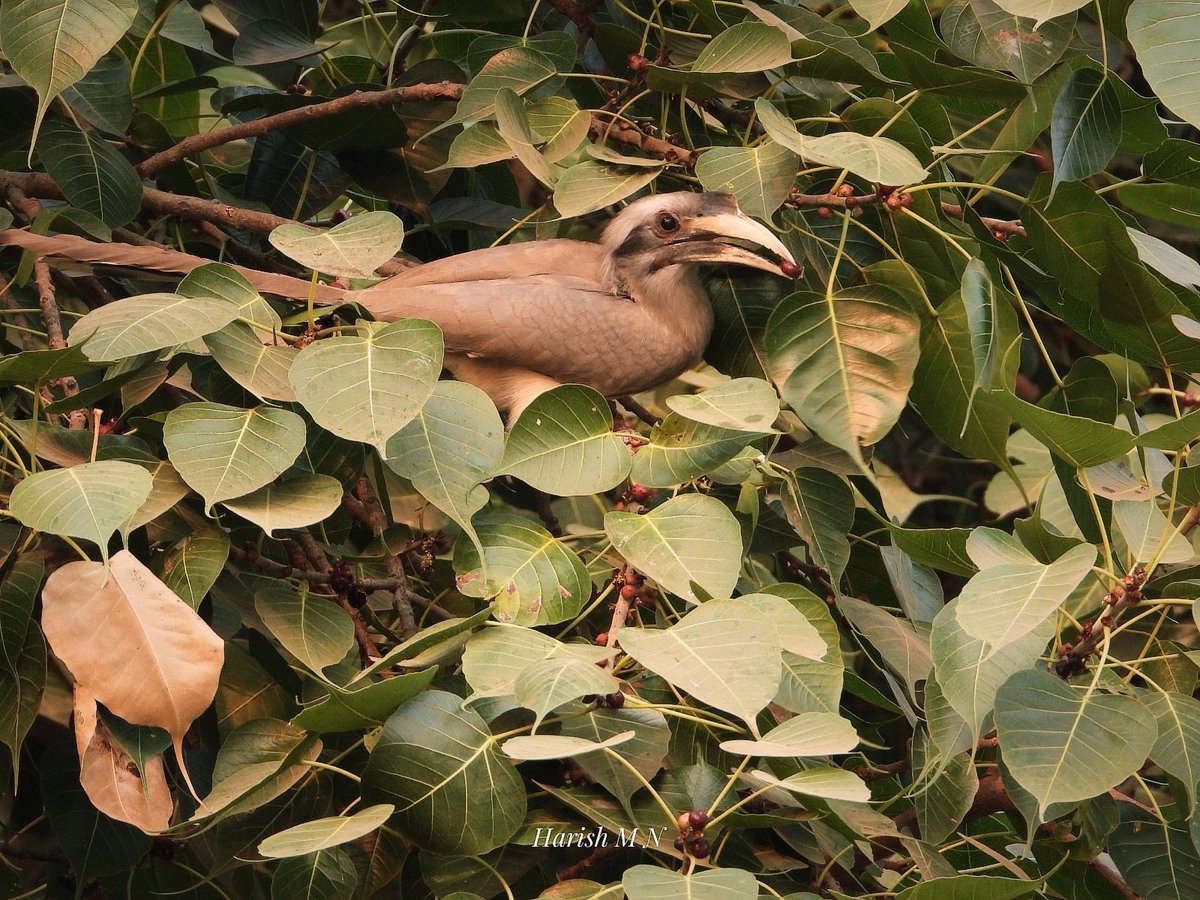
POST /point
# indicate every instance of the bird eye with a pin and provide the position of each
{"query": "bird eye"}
(668, 223)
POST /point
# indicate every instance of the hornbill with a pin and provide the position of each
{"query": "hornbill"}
(622, 315)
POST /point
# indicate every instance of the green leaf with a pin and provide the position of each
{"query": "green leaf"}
(563, 444)
(825, 782)
(1063, 744)
(22, 678)
(724, 653)
(656, 883)
(321, 834)
(1157, 859)
(496, 657)
(453, 789)
(226, 282)
(877, 159)
(89, 501)
(970, 671)
(92, 174)
(258, 761)
(54, 43)
(1165, 259)
(1086, 126)
(533, 578)
(944, 383)
(260, 368)
(878, 12)
(477, 145)
(149, 322)
(990, 340)
(194, 564)
(970, 887)
(690, 538)
(547, 685)
(514, 127)
(982, 33)
(367, 386)
(364, 707)
(355, 248)
(290, 504)
(744, 404)
(224, 452)
(1040, 10)
(1177, 748)
(903, 648)
(759, 176)
(844, 362)
(1166, 36)
(324, 875)
(312, 627)
(1148, 535)
(746, 47)
(590, 185)
(820, 506)
(681, 449)
(644, 751)
(558, 746)
(1008, 599)
(808, 734)
(520, 69)
(102, 95)
(1081, 442)
(453, 445)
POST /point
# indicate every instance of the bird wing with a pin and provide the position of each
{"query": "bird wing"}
(538, 306)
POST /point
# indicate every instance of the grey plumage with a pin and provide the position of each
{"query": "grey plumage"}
(622, 315)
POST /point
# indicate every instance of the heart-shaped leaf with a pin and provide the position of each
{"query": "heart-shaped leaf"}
(534, 578)
(453, 789)
(367, 386)
(563, 444)
(147, 323)
(1063, 744)
(724, 652)
(290, 504)
(146, 655)
(356, 247)
(89, 501)
(691, 538)
(224, 452)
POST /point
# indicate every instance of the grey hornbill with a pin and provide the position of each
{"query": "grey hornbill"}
(622, 315)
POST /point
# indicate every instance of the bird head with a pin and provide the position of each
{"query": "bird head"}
(686, 229)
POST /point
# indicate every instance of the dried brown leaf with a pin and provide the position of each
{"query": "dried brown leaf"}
(143, 652)
(110, 776)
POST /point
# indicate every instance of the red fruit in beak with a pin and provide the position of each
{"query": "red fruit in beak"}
(790, 269)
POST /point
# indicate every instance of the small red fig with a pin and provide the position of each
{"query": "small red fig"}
(628, 592)
(790, 269)
(825, 212)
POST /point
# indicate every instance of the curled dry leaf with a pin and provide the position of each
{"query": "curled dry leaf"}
(111, 777)
(142, 651)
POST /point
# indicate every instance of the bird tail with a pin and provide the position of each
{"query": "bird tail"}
(159, 259)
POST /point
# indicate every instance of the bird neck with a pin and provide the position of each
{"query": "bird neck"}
(675, 298)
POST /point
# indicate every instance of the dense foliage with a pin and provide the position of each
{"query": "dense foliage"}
(893, 597)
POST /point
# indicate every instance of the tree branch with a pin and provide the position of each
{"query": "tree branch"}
(796, 199)
(190, 146)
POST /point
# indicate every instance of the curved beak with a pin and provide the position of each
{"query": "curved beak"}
(734, 238)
